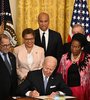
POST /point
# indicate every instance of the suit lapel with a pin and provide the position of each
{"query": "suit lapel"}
(38, 37)
(35, 53)
(40, 82)
(23, 54)
(50, 81)
(1, 59)
(49, 40)
(3, 64)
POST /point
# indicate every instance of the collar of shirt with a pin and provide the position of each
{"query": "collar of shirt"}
(1, 53)
(46, 36)
(44, 77)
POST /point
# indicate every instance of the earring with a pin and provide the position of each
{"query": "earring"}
(82, 48)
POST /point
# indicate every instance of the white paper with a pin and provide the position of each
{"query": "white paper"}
(45, 97)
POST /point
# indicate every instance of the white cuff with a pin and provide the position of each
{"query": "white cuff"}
(27, 93)
(61, 93)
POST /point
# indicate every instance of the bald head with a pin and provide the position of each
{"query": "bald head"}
(43, 21)
(49, 65)
(43, 14)
(51, 59)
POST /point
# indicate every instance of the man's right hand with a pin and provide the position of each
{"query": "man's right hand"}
(34, 93)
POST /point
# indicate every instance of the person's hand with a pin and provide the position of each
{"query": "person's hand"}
(53, 94)
(24, 77)
(34, 93)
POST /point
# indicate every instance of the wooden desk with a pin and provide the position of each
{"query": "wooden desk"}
(29, 98)
(25, 98)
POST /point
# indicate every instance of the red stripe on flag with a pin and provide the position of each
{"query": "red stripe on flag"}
(69, 38)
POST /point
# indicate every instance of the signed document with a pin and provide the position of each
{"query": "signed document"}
(45, 98)
(62, 98)
(55, 98)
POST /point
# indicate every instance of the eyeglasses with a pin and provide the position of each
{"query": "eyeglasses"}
(77, 47)
(5, 45)
(28, 39)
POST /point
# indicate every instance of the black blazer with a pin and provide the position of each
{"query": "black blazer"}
(34, 81)
(8, 83)
(54, 43)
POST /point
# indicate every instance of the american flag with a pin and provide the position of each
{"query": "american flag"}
(80, 16)
(6, 23)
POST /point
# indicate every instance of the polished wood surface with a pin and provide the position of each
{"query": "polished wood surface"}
(25, 98)
(29, 98)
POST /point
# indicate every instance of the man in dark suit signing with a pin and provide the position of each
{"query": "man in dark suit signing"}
(8, 78)
(44, 82)
(50, 40)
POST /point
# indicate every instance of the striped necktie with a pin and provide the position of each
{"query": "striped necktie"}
(7, 63)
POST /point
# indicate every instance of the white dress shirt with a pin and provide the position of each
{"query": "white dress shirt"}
(30, 60)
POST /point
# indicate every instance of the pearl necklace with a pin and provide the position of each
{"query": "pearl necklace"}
(74, 60)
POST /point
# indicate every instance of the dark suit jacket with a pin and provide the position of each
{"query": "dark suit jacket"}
(34, 81)
(54, 44)
(66, 47)
(8, 83)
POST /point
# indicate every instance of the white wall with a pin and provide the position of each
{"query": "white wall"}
(13, 11)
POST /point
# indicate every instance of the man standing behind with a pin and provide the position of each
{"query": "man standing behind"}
(48, 39)
(77, 28)
(8, 78)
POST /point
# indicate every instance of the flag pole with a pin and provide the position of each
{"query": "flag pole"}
(2, 18)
